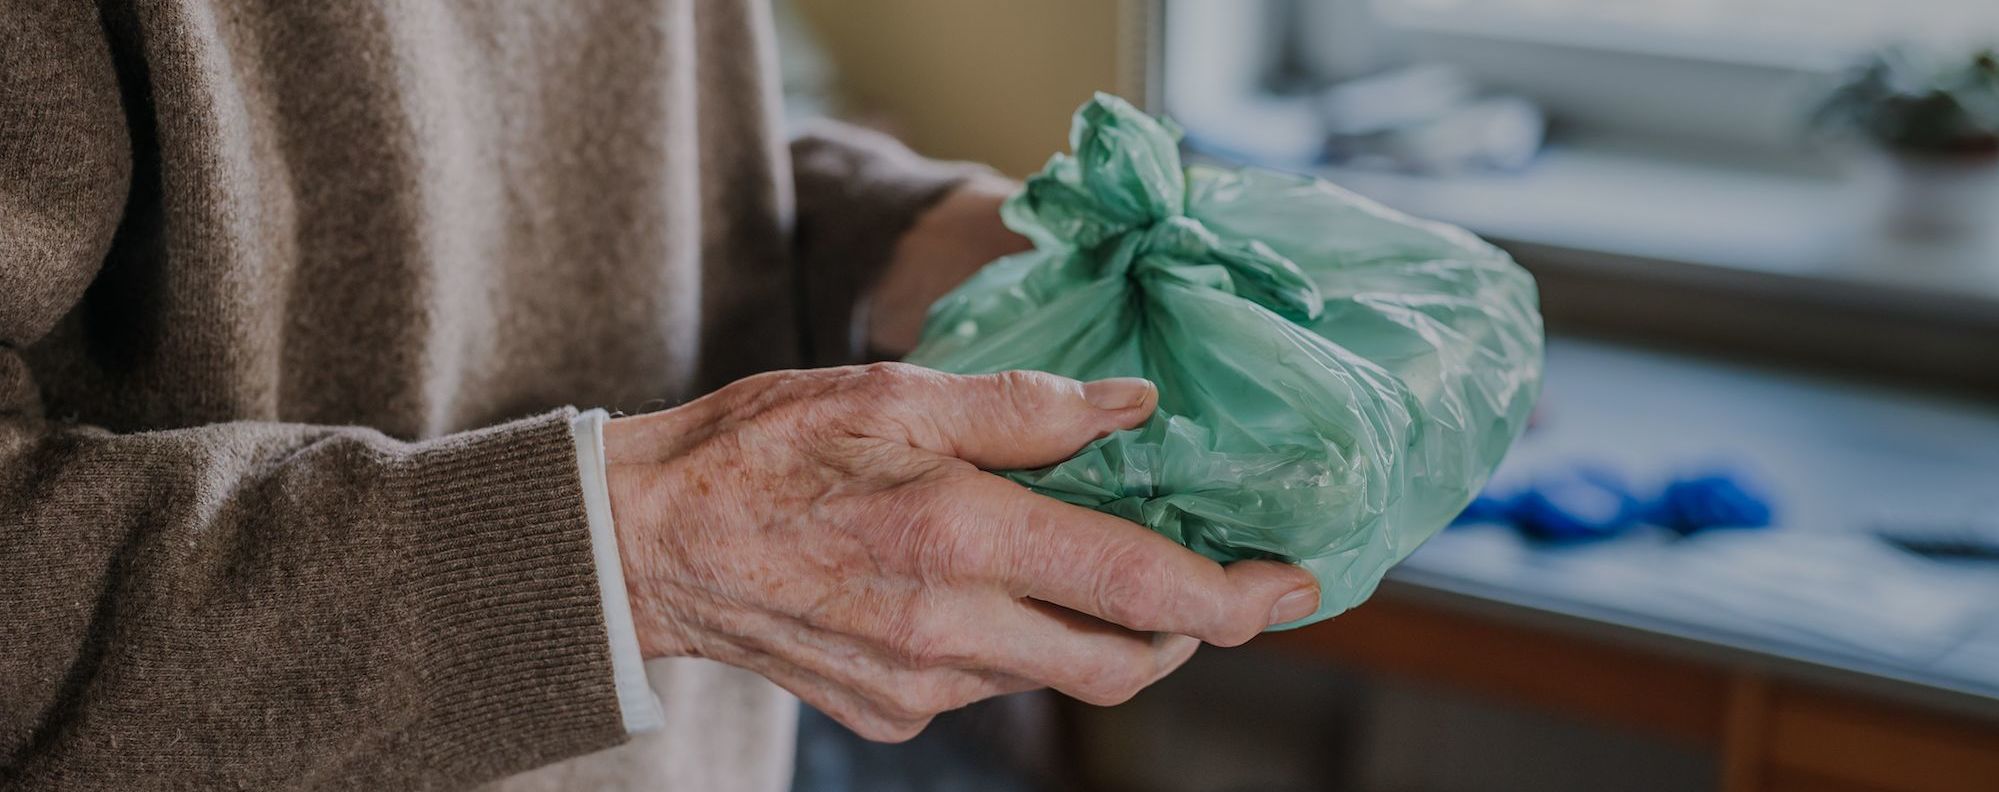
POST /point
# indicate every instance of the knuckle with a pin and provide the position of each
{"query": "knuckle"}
(1027, 391)
(916, 702)
(856, 715)
(940, 551)
(912, 501)
(863, 394)
(889, 400)
(1238, 624)
(913, 641)
(943, 486)
(901, 731)
(1111, 688)
(920, 650)
(1133, 590)
(883, 730)
(1178, 650)
(947, 474)
(938, 540)
(1236, 633)
(888, 377)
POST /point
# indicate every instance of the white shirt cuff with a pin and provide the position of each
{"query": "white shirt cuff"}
(635, 697)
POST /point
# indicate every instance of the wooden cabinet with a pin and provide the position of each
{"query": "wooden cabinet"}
(1773, 733)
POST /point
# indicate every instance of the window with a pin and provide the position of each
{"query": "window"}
(1808, 33)
(1679, 192)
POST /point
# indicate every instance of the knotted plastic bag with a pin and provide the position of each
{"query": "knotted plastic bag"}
(1336, 380)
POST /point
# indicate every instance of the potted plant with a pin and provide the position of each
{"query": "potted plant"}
(1935, 125)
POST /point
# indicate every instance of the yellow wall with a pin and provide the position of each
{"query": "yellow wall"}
(987, 80)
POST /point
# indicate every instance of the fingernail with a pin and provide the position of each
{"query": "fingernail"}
(1294, 606)
(1120, 393)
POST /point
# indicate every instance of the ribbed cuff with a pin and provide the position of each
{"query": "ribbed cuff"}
(503, 587)
(858, 191)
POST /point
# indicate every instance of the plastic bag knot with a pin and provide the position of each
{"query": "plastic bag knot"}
(1123, 197)
(1185, 250)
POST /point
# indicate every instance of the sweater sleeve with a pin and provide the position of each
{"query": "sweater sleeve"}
(858, 190)
(257, 605)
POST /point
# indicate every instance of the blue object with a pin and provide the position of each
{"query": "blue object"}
(1591, 503)
(1583, 504)
(1485, 509)
(1717, 500)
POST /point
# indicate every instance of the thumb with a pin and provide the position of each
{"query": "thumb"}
(1025, 419)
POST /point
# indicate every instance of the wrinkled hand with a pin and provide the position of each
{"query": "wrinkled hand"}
(832, 531)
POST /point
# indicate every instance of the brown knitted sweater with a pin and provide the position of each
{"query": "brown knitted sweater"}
(278, 281)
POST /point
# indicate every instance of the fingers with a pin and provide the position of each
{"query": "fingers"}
(969, 648)
(884, 691)
(885, 703)
(962, 647)
(1013, 419)
(1082, 657)
(1091, 562)
(1124, 574)
(842, 704)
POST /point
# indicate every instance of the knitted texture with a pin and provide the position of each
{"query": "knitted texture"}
(266, 270)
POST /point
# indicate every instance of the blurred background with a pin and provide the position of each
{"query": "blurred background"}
(1751, 541)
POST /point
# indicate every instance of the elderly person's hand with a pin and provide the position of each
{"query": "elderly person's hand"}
(833, 530)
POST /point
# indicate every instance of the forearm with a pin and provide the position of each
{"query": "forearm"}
(948, 242)
(858, 192)
(268, 605)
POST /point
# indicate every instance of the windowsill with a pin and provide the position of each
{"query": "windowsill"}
(1746, 258)
(1704, 221)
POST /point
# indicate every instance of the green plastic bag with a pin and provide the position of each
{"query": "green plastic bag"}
(1336, 379)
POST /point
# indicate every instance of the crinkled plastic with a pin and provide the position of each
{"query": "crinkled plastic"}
(1336, 380)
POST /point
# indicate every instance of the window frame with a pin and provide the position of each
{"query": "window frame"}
(1701, 96)
(1744, 115)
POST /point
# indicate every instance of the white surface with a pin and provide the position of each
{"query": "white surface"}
(1634, 202)
(1818, 33)
(1835, 458)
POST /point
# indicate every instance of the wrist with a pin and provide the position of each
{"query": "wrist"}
(640, 488)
